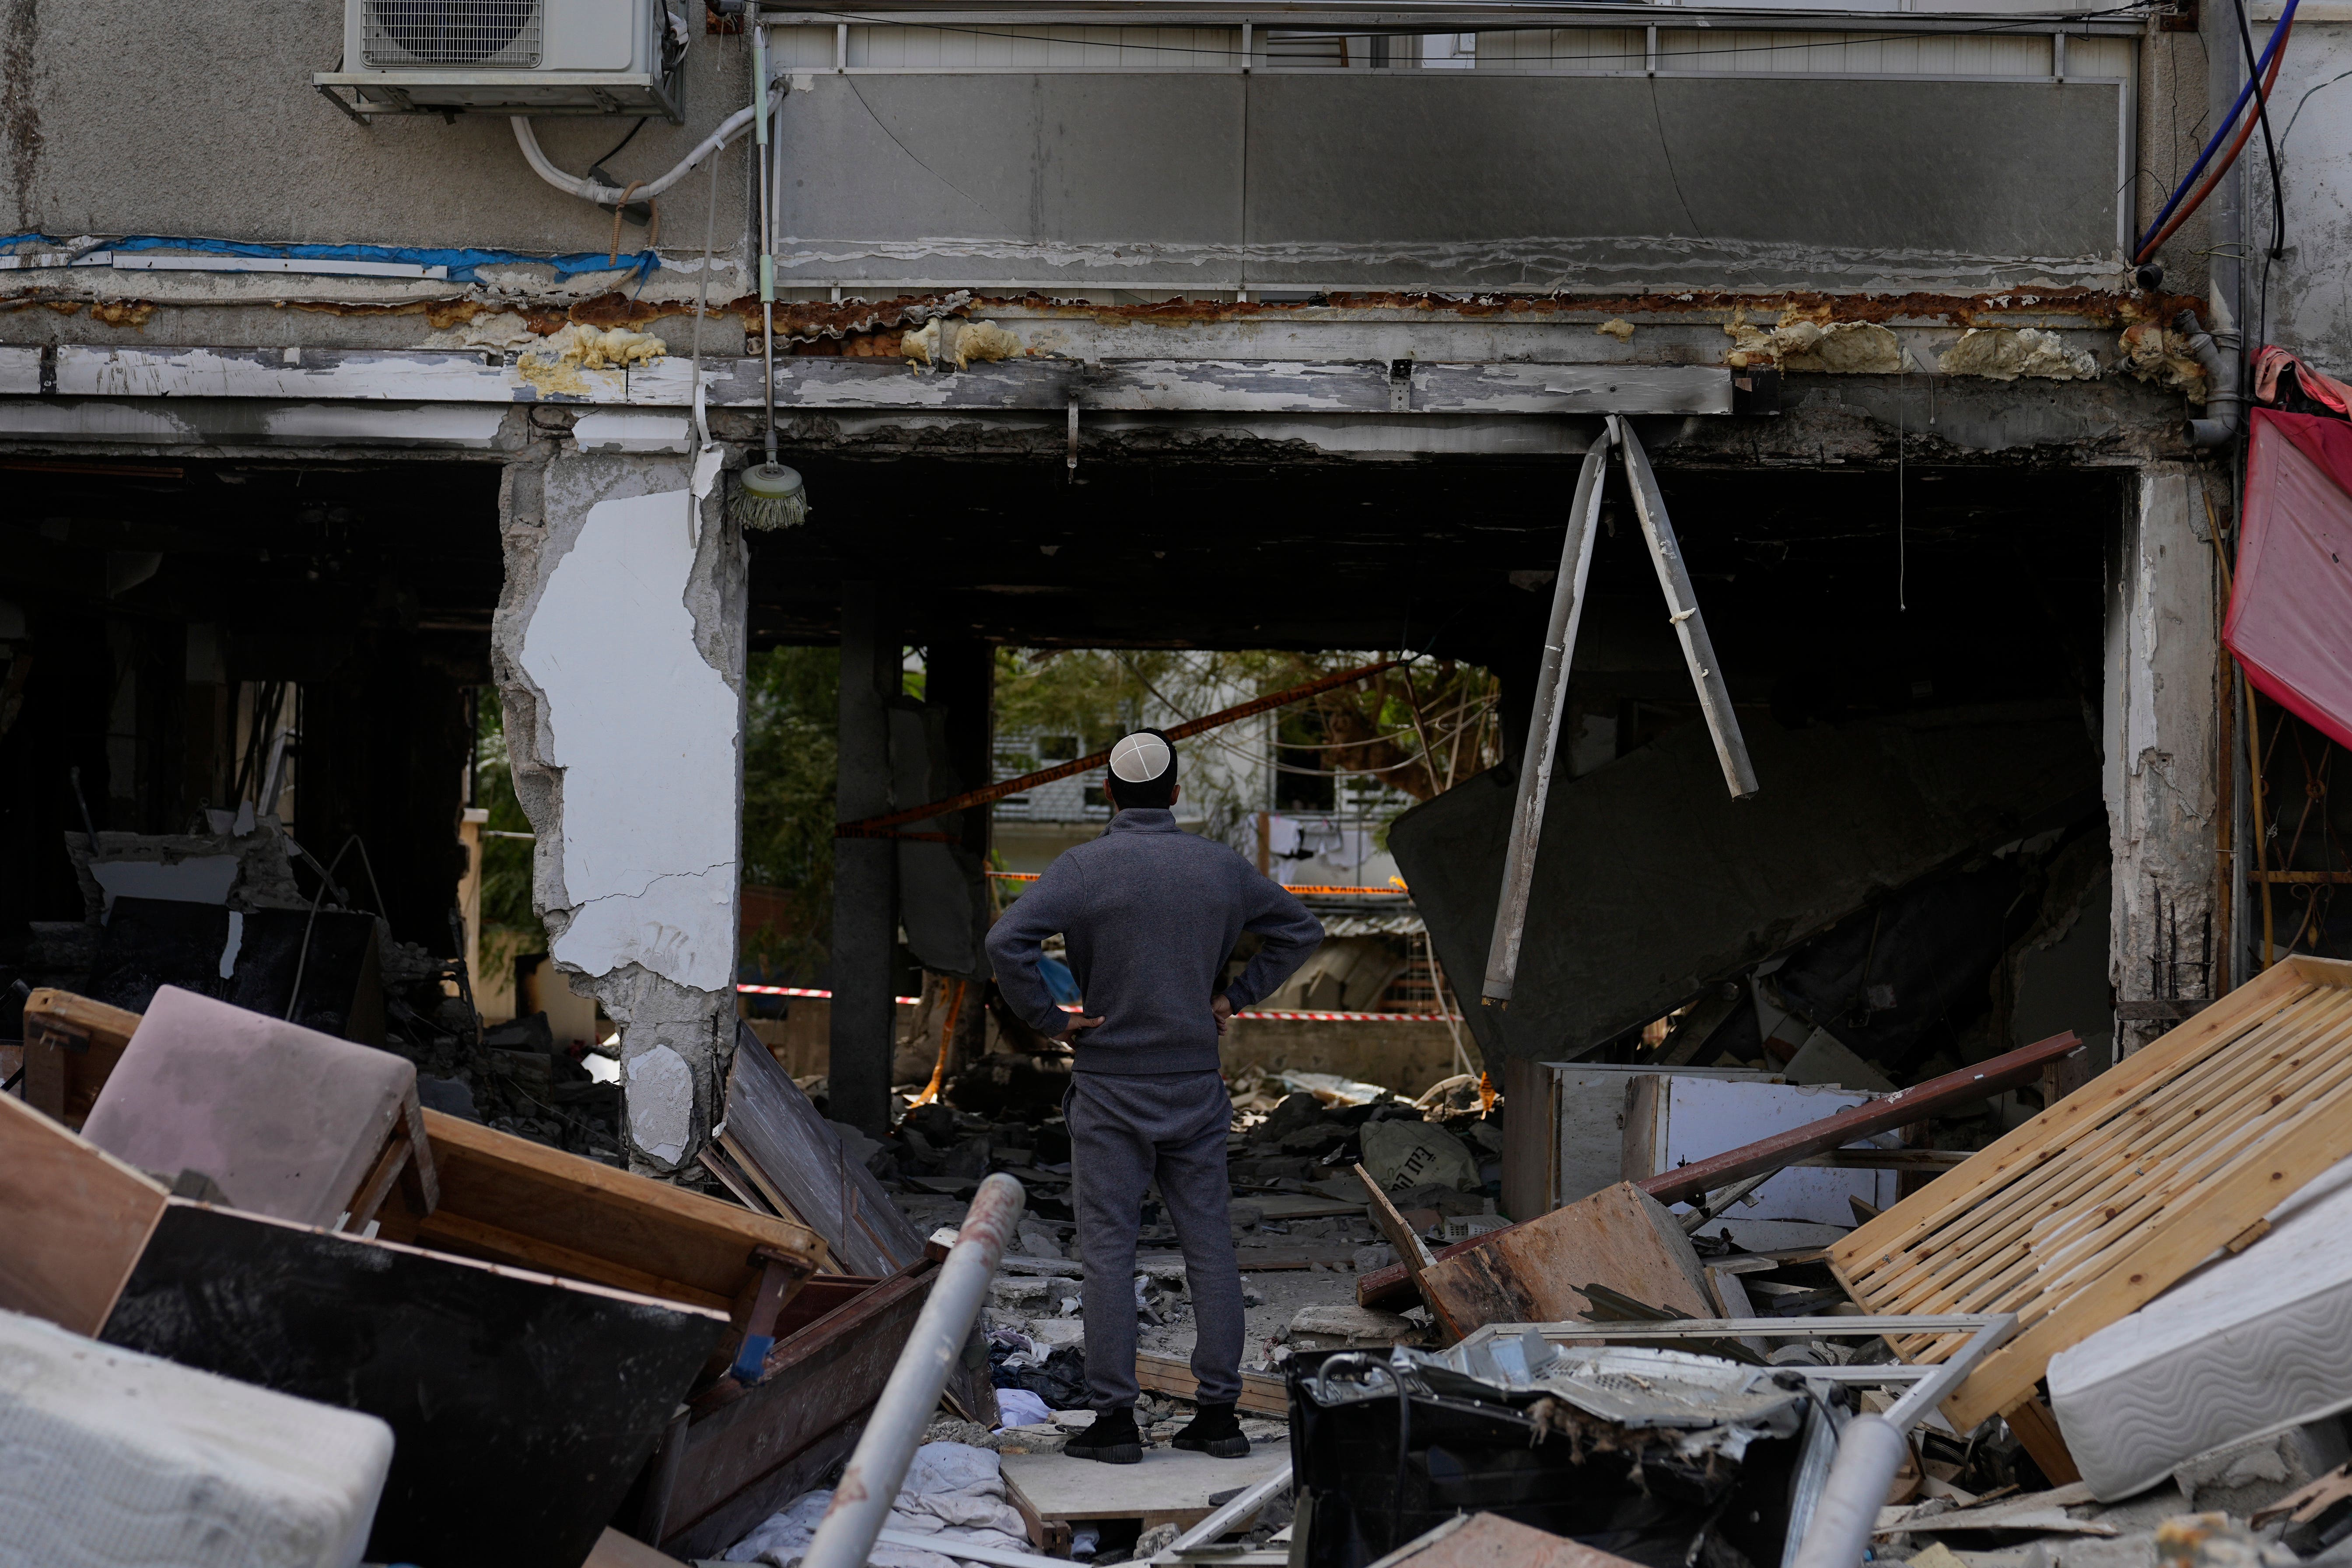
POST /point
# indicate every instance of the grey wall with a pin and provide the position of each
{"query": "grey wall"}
(152, 118)
(2310, 288)
(1428, 179)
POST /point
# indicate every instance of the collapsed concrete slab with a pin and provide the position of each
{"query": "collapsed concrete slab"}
(1651, 884)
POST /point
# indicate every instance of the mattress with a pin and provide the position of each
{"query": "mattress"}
(110, 1459)
(2253, 1345)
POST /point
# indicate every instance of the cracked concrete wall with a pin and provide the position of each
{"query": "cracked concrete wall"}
(618, 650)
(2161, 741)
(2311, 293)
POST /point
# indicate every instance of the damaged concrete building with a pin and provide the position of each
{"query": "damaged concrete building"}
(352, 351)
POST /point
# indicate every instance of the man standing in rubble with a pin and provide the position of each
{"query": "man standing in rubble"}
(1150, 913)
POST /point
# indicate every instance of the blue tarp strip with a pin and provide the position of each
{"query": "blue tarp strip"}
(461, 263)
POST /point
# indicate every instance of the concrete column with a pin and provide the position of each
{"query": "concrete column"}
(618, 652)
(2160, 755)
(865, 871)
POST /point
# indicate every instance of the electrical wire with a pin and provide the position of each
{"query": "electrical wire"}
(2214, 180)
(2271, 52)
(2262, 113)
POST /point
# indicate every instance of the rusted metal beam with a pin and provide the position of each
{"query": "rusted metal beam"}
(1888, 1112)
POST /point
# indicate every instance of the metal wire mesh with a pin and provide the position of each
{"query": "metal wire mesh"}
(504, 33)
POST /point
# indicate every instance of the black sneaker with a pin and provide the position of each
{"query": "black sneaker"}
(1112, 1439)
(1214, 1431)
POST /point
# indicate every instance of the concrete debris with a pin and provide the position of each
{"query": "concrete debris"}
(2006, 354)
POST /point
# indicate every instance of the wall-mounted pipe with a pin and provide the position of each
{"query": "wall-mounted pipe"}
(596, 191)
(2221, 353)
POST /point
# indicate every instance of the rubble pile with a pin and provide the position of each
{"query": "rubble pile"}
(2142, 1372)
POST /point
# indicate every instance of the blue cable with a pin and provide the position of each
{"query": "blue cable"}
(461, 262)
(2278, 35)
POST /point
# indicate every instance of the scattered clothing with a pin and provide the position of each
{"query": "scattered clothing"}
(953, 1492)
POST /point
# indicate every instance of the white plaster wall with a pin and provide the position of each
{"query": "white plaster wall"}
(2311, 286)
(618, 647)
(644, 732)
(2160, 740)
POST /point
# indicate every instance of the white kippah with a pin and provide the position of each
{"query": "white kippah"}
(1140, 758)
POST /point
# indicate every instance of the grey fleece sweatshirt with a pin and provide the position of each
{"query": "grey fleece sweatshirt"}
(1149, 913)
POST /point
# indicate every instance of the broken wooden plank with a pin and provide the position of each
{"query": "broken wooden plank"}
(1491, 1540)
(1261, 1394)
(2105, 1200)
(1172, 1485)
(1411, 1251)
(786, 1146)
(74, 1218)
(1531, 1273)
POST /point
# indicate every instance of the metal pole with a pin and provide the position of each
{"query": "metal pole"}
(1543, 727)
(1873, 1448)
(1682, 608)
(861, 1503)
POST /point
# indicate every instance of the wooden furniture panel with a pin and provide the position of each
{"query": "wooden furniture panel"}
(2113, 1194)
(522, 1406)
(71, 1044)
(505, 1199)
(73, 1220)
(744, 1444)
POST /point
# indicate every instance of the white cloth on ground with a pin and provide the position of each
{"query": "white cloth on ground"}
(953, 1492)
(1019, 1408)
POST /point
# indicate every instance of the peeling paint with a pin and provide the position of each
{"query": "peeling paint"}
(2004, 353)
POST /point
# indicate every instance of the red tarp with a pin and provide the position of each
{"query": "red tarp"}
(2289, 620)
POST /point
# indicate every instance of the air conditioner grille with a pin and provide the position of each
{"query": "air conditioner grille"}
(499, 33)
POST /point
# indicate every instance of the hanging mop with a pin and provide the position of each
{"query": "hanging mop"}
(769, 495)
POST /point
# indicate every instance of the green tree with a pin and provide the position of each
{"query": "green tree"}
(789, 759)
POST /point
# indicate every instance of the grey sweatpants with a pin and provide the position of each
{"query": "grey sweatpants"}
(1125, 1131)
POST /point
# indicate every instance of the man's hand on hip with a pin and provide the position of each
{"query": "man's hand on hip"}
(1077, 1022)
(1224, 1009)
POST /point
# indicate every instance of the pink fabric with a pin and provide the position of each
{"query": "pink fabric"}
(2325, 389)
(2290, 621)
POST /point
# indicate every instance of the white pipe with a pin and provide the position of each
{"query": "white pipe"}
(594, 191)
(861, 1503)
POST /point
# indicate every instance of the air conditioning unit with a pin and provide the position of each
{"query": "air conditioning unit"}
(509, 57)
